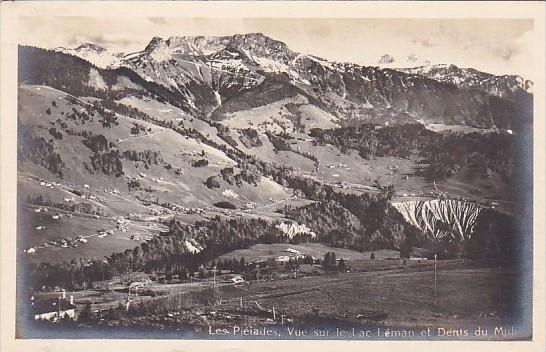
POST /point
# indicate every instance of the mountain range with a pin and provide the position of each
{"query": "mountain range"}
(190, 129)
(216, 76)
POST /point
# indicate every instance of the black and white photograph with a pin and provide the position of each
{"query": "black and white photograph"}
(275, 178)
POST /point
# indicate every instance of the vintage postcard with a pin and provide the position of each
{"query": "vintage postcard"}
(253, 175)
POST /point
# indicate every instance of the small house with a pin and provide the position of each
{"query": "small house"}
(418, 258)
(52, 309)
(237, 279)
(282, 259)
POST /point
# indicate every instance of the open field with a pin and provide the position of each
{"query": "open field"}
(404, 295)
(386, 295)
(317, 250)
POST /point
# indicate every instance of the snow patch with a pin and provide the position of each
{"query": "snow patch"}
(192, 246)
(293, 229)
(230, 194)
(95, 79)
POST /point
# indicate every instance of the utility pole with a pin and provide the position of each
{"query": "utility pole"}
(214, 285)
(435, 278)
(59, 316)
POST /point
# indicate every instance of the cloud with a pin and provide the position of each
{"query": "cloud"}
(496, 46)
(104, 40)
(507, 55)
(157, 20)
(522, 54)
(426, 42)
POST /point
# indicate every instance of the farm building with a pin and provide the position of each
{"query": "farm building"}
(291, 250)
(237, 279)
(282, 259)
(50, 310)
(139, 284)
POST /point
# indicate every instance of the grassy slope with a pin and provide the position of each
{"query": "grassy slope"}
(269, 251)
(276, 117)
(185, 190)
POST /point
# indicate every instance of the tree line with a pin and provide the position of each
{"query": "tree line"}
(441, 155)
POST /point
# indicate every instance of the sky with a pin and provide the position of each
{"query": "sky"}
(499, 46)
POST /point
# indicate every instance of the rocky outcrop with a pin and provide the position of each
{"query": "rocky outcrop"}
(505, 86)
(228, 67)
(441, 217)
(294, 229)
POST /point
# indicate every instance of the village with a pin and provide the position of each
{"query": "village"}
(220, 286)
(273, 295)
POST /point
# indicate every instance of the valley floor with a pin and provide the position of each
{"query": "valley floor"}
(378, 293)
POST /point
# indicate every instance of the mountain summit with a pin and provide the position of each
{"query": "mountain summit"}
(93, 53)
(90, 47)
(505, 86)
(218, 75)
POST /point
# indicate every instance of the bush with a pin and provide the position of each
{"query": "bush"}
(212, 182)
(55, 133)
(225, 205)
(200, 163)
(133, 184)
(250, 138)
(97, 143)
(278, 142)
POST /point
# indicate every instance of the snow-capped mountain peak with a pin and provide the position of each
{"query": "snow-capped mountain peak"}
(257, 44)
(502, 86)
(412, 60)
(93, 53)
(208, 71)
(154, 44)
(386, 59)
(90, 47)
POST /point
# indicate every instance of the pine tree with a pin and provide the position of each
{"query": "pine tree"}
(326, 261)
(242, 264)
